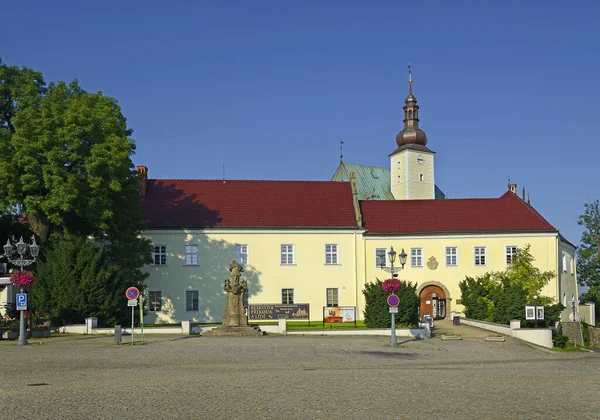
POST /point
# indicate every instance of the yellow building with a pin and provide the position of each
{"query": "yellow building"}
(316, 244)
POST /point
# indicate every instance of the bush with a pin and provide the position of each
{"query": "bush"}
(376, 311)
(560, 340)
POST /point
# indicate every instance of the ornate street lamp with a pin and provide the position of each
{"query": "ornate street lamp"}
(20, 260)
(394, 271)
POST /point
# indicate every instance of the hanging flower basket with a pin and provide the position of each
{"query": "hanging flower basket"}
(22, 279)
(390, 285)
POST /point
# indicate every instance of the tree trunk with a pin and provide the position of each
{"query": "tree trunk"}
(40, 225)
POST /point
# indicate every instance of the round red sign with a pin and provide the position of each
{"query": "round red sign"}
(393, 300)
(132, 293)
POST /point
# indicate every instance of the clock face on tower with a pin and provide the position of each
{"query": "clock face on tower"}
(420, 159)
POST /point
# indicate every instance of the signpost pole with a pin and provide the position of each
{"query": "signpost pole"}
(132, 315)
(142, 316)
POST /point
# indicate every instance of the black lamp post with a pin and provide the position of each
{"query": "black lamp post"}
(21, 261)
(394, 271)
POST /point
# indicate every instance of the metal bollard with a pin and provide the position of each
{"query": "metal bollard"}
(117, 334)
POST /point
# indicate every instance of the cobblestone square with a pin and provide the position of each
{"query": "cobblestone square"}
(274, 377)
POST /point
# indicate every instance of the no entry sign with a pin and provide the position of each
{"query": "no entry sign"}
(393, 300)
(132, 293)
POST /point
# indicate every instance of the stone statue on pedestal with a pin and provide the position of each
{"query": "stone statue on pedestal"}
(235, 322)
(235, 286)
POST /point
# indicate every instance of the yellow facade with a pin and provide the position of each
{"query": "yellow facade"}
(309, 276)
(543, 249)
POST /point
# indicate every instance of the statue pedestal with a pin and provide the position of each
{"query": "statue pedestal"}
(241, 331)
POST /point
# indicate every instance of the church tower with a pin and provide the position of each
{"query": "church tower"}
(412, 175)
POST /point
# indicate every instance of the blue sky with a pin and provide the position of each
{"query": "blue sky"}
(269, 88)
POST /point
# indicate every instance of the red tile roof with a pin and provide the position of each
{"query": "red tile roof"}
(174, 203)
(505, 214)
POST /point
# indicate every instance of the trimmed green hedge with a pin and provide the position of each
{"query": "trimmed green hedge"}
(376, 311)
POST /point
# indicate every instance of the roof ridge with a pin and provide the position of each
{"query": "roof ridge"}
(246, 180)
(441, 200)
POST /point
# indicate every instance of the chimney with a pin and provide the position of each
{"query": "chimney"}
(142, 179)
(523, 193)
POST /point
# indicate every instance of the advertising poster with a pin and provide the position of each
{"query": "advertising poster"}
(339, 314)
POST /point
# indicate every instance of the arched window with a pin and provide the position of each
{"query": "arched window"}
(410, 114)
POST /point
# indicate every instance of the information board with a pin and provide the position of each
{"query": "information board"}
(339, 314)
(297, 311)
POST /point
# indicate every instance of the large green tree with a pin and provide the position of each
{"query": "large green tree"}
(65, 164)
(588, 254)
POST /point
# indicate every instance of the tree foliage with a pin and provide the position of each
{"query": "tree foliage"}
(65, 164)
(376, 311)
(502, 296)
(77, 280)
(588, 254)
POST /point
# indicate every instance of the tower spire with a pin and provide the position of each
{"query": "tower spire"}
(411, 133)
(409, 79)
(341, 151)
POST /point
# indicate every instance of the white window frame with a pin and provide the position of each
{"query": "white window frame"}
(421, 178)
(238, 253)
(377, 257)
(479, 255)
(564, 262)
(334, 254)
(154, 254)
(291, 253)
(399, 180)
(572, 265)
(288, 296)
(185, 302)
(450, 255)
(327, 297)
(191, 254)
(398, 165)
(512, 249)
(418, 262)
(150, 301)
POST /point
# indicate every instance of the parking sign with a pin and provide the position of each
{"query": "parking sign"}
(21, 301)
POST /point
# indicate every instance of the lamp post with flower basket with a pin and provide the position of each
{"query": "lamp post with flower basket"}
(392, 285)
(21, 278)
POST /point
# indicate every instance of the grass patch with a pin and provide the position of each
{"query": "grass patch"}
(569, 347)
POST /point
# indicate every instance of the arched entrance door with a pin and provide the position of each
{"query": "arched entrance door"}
(433, 302)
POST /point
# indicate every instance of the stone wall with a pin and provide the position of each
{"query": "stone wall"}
(594, 336)
(573, 331)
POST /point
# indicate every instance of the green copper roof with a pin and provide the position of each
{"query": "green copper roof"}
(372, 182)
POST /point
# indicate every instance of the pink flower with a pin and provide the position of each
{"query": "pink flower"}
(22, 279)
(390, 285)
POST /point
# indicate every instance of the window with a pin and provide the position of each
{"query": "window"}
(159, 255)
(572, 266)
(416, 257)
(332, 296)
(421, 177)
(480, 255)
(191, 300)
(287, 254)
(398, 181)
(399, 166)
(451, 256)
(510, 252)
(380, 254)
(331, 254)
(154, 301)
(287, 296)
(564, 262)
(191, 255)
(241, 254)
